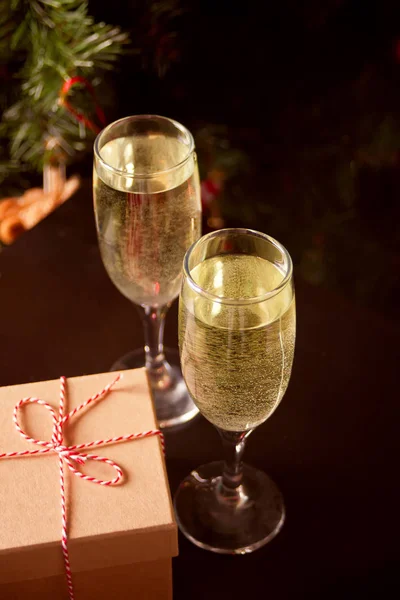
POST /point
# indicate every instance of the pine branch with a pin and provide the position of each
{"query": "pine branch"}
(50, 41)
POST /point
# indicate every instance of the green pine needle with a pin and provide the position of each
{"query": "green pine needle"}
(50, 40)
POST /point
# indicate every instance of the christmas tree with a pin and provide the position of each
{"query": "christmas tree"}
(52, 55)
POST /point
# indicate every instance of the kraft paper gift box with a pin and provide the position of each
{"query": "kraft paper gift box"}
(121, 537)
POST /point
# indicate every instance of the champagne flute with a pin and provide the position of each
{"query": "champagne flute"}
(237, 328)
(148, 212)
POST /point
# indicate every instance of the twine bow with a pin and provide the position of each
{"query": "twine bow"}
(68, 455)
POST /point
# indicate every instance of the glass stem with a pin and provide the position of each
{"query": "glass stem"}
(153, 324)
(233, 445)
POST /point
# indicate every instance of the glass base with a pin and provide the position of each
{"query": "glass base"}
(171, 398)
(226, 521)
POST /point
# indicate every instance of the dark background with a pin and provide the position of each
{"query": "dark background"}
(297, 103)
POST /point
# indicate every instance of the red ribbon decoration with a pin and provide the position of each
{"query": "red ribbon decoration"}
(79, 116)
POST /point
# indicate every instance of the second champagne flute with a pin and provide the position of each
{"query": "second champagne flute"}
(148, 212)
(237, 329)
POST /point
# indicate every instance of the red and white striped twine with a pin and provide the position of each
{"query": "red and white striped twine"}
(68, 455)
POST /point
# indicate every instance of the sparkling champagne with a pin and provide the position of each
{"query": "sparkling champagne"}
(237, 358)
(145, 225)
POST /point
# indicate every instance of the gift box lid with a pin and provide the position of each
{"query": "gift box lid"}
(108, 526)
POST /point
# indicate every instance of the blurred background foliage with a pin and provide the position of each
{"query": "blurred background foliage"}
(295, 111)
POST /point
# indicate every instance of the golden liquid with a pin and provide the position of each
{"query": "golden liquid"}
(144, 233)
(237, 360)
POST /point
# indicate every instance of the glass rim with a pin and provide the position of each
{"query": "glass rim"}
(105, 165)
(238, 301)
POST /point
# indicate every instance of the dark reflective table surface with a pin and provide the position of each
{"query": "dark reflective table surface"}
(331, 446)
